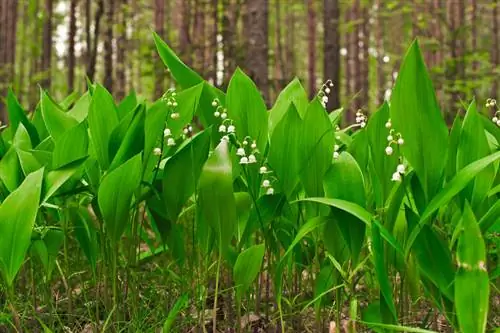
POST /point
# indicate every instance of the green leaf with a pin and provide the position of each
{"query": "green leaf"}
(215, 195)
(10, 170)
(472, 288)
(71, 146)
(22, 139)
(317, 147)
(491, 217)
(56, 178)
(247, 267)
(17, 218)
(247, 109)
(180, 304)
(85, 234)
(415, 114)
(284, 151)
(293, 93)
(115, 196)
(102, 121)
(80, 110)
(127, 105)
(56, 120)
(18, 116)
(154, 123)
(182, 171)
(344, 180)
(472, 146)
(48, 249)
(454, 140)
(451, 189)
(133, 140)
(381, 271)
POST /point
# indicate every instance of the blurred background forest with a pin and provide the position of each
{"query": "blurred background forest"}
(358, 44)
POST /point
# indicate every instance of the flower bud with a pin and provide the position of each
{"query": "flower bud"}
(240, 152)
(388, 150)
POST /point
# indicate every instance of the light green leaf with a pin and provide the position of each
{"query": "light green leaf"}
(293, 93)
(56, 120)
(17, 218)
(180, 304)
(247, 267)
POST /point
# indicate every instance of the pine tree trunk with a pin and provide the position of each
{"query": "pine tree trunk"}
(8, 14)
(290, 66)
(379, 40)
(93, 49)
(121, 49)
(160, 30)
(331, 50)
(495, 48)
(71, 45)
(229, 39)
(108, 46)
(185, 47)
(47, 45)
(364, 40)
(257, 48)
(311, 38)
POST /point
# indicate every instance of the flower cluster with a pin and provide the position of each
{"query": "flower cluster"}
(336, 153)
(392, 138)
(361, 119)
(219, 110)
(266, 183)
(167, 133)
(169, 98)
(324, 92)
(492, 103)
(400, 171)
(246, 153)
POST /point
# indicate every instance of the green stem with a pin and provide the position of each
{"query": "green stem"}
(214, 314)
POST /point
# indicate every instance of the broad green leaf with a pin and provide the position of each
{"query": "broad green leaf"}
(182, 171)
(451, 189)
(285, 150)
(247, 267)
(361, 213)
(10, 170)
(56, 119)
(154, 123)
(69, 100)
(47, 249)
(21, 138)
(71, 146)
(18, 116)
(247, 109)
(491, 217)
(17, 218)
(317, 148)
(180, 304)
(56, 178)
(102, 119)
(381, 271)
(472, 288)
(28, 162)
(415, 114)
(323, 284)
(344, 181)
(293, 93)
(454, 140)
(85, 234)
(188, 103)
(80, 110)
(472, 146)
(133, 141)
(215, 195)
(383, 165)
(127, 105)
(115, 196)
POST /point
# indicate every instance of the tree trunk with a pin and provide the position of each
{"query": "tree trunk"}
(379, 40)
(311, 38)
(279, 62)
(71, 45)
(160, 30)
(213, 41)
(290, 63)
(108, 46)
(364, 40)
(93, 54)
(257, 47)
(331, 50)
(8, 14)
(473, 33)
(495, 48)
(47, 45)
(229, 20)
(185, 46)
(121, 49)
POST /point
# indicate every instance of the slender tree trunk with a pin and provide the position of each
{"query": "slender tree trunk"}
(495, 48)
(331, 50)
(257, 49)
(108, 46)
(379, 40)
(279, 68)
(213, 41)
(160, 30)
(121, 47)
(364, 40)
(290, 62)
(311, 31)
(93, 54)
(185, 47)
(71, 45)
(8, 14)
(473, 33)
(229, 39)
(348, 62)
(47, 45)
